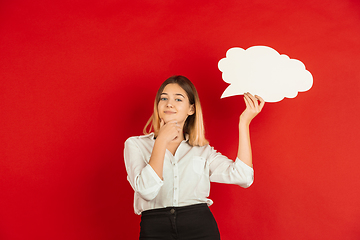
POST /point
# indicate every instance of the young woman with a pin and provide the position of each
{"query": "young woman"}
(170, 169)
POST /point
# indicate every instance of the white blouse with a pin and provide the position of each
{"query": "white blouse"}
(186, 175)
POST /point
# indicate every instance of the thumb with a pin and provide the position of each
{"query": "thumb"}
(161, 123)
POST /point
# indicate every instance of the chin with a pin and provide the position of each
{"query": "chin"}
(166, 120)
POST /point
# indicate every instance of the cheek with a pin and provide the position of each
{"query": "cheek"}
(160, 108)
(184, 108)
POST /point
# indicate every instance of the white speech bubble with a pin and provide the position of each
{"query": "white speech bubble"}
(261, 70)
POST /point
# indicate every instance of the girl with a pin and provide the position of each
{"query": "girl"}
(170, 169)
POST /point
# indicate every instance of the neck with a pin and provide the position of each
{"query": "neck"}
(180, 137)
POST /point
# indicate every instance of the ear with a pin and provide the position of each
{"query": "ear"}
(192, 110)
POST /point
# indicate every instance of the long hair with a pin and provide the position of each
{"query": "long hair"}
(194, 124)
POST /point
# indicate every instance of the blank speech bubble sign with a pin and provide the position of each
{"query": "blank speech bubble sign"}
(262, 71)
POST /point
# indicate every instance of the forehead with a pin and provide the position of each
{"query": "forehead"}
(174, 88)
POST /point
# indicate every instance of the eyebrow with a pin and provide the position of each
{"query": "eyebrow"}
(177, 94)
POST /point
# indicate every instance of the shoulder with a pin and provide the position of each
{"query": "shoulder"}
(205, 149)
(140, 139)
(209, 151)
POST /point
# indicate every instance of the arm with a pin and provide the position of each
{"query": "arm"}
(142, 178)
(157, 157)
(253, 107)
(168, 132)
(145, 177)
(240, 172)
(225, 170)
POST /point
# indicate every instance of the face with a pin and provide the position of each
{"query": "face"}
(174, 104)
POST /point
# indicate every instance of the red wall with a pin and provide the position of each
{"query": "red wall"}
(77, 78)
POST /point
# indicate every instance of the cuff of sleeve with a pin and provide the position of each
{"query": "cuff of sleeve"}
(153, 174)
(247, 170)
(244, 164)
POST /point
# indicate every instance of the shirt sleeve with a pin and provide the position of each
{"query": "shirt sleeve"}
(141, 176)
(224, 170)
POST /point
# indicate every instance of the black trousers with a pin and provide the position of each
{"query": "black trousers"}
(181, 223)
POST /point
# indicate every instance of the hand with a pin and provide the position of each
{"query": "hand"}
(170, 131)
(253, 107)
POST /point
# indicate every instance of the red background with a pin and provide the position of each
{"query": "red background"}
(77, 78)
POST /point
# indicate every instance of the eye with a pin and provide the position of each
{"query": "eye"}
(178, 100)
(163, 99)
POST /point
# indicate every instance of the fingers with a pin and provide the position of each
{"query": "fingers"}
(255, 103)
(247, 101)
(253, 107)
(178, 126)
(262, 101)
(170, 129)
(250, 100)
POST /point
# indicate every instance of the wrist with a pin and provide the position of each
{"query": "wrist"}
(160, 141)
(243, 123)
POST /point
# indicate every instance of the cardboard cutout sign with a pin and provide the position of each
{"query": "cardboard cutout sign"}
(261, 70)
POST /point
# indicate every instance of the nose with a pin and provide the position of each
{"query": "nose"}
(169, 104)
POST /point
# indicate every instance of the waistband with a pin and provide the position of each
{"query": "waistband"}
(172, 210)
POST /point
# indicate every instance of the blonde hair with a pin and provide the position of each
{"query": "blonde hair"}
(194, 124)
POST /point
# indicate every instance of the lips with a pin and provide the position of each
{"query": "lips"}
(169, 112)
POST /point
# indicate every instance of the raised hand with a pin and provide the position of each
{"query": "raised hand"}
(254, 105)
(169, 131)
